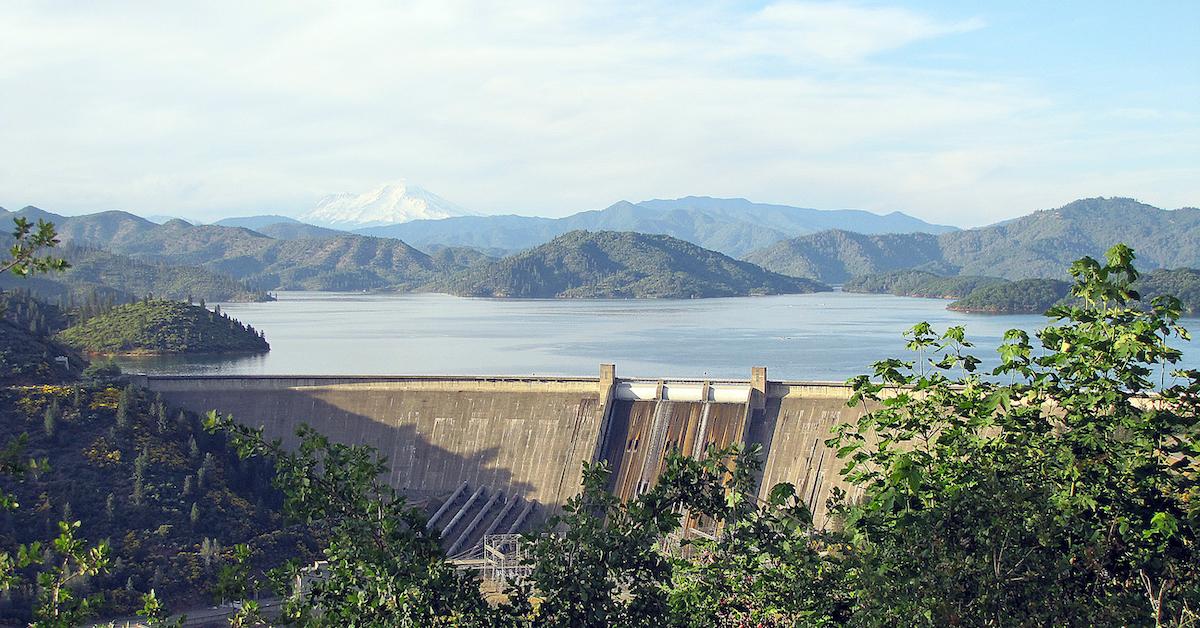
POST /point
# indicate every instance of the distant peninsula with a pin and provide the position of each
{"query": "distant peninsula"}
(612, 264)
(992, 295)
(162, 327)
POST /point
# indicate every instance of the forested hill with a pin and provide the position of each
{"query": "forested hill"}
(608, 264)
(836, 256)
(298, 260)
(919, 283)
(122, 278)
(993, 295)
(1041, 244)
(158, 326)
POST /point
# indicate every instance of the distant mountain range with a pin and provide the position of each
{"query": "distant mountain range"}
(1042, 244)
(388, 204)
(460, 254)
(733, 226)
(343, 262)
(609, 264)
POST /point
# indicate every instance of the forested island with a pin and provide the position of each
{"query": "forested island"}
(611, 264)
(918, 283)
(160, 326)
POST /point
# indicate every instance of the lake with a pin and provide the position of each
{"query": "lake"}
(824, 336)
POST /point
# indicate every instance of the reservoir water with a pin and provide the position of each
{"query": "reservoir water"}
(824, 336)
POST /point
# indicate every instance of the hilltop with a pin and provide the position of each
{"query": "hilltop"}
(159, 326)
(1041, 244)
(607, 264)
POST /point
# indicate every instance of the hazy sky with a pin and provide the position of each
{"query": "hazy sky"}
(956, 112)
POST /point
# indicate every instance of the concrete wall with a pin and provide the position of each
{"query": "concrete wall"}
(525, 437)
(792, 430)
(528, 437)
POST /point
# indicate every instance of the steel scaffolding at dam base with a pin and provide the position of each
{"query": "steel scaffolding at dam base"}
(492, 456)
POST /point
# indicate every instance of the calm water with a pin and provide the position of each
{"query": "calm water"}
(827, 336)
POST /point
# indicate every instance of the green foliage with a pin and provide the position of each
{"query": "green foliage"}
(155, 614)
(1069, 491)
(161, 326)
(608, 264)
(26, 351)
(382, 566)
(1027, 296)
(24, 255)
(90, 471)
(1031, 296)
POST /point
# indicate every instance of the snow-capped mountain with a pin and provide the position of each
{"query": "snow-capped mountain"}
(388, 204)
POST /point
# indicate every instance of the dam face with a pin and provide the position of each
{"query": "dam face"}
(492, 454)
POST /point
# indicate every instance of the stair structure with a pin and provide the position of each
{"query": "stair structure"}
(469, 514)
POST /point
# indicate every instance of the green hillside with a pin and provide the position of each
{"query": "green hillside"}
(1041, 244)
(918, 283)
(27, 353)
(1034, 296)
(160, 326)
(126, 279)
(1025, 296)
(837, 256)
(171, 500)
(608, 264)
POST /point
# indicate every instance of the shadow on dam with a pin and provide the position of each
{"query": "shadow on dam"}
(517, 439)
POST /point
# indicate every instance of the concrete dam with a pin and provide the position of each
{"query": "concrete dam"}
(492, 455)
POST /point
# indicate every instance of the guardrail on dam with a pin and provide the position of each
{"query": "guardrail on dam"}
(489, 449)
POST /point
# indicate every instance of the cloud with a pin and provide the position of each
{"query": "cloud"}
(210, 109)
(842, 32)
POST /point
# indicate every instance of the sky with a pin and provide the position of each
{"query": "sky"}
(957, 113)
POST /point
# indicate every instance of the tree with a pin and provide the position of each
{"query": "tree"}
(23, 256)
(50, 419)
(383, 567)
(1063, 485)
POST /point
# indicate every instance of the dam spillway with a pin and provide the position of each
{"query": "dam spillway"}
(490, 453)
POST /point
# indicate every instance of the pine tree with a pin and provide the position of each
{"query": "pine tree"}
(187, 485)
(50, 421)
(110, 506)
(139, 492)
(163, 422)
(195, 514)
(122, 412)
(193, 449)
